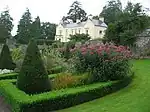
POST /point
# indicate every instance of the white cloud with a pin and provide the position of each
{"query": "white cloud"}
(54, 10)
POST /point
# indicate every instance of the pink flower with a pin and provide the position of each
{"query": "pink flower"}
(91, 52)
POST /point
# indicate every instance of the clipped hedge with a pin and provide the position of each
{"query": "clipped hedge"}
(15, 75)
(8, 76)
(59, 99)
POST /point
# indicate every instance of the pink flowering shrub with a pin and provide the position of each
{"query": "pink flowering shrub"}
(103, 62)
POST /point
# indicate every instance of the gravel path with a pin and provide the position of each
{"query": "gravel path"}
(4, 107)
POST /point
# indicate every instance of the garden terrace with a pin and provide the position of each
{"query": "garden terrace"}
(48, 101)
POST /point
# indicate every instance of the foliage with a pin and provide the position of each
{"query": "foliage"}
(24, 28)
(33, 77)
(17, 54)
(36, 28)
(79, 37)
(76, 13)
(48, 30)
(53, 60)
(95, 17)
(111, 11)
(66, 80)
(8, 76)
(14, 75)
(57, 69)
(45, 41)
(65, 50)
(6, 26)
(21, 102)
(6, 61)
(104, 62)
(131, 22)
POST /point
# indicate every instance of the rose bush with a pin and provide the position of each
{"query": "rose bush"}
(104, 62)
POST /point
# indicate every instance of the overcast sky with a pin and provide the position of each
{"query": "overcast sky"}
(53, 10)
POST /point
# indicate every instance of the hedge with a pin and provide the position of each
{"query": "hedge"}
(59, 99)
(14, 76)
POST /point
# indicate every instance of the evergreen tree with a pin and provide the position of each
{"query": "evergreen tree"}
(6, 59)
(76, 13)
(24, 28)
(6, 25)
(36, 28)
(33, 77)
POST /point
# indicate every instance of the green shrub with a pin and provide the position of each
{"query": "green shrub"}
(17, 54)
(59, 99)
(6, 59)
(57, 69)
(103, 62)
(33, 77)
(8, 76)
(80, 37)
(15, 75)
(44, 41)
(53, 61)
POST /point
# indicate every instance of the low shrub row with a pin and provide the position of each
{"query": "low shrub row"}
(14, 76)
(59, 99)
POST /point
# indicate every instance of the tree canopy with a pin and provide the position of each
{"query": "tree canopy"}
(111, 11)
(6, 26)
(76, 13)
(24, 28)
(48, 30)
(131, 22)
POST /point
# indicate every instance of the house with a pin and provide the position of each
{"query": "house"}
(95, 29)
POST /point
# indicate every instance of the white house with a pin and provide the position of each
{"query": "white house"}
(95, 29)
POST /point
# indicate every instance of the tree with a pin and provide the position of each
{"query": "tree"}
(48, 30)
(79, 37)
(36, 28)
(131, 22)
(6, 25)
(33, 77)
(6, 59)
(76, 13)
(24, 28)
(95, 17)
(111, 11)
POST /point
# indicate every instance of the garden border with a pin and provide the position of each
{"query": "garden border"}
(60, 99)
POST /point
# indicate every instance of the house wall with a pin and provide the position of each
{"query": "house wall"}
(94, 31)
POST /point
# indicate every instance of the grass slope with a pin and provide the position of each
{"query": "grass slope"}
(134, 98)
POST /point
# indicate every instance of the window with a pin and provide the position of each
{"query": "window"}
(100, 32)
(87, 31)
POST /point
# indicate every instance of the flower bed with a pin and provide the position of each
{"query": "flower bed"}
(104, 62)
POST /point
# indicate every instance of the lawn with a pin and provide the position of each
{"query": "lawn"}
(134, 98)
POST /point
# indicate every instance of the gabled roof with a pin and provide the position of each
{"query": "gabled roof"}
(81, 24)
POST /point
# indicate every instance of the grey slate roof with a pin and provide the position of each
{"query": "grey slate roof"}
(81, 24)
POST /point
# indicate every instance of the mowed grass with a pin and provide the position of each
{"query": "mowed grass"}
(133, 98)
